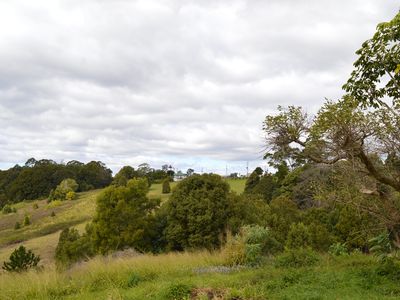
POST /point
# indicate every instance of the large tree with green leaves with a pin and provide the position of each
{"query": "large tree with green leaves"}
(124, 217)
(198, 212)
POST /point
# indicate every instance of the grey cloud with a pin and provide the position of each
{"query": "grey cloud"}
(168, 81)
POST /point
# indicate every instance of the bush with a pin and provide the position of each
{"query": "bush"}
(249, 246)
(72, 247)
(133, 280)
(35, 206)
(17, 225)
(198, 212)
(71, 195)
(166, 188)
(21, 260)
(298, 236)
(338, 249)
(64, 191)
(53, 214)
(27, 220)
(178, 291)
(297, 258)
(7, 209)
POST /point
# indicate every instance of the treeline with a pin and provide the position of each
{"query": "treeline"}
(38, 177)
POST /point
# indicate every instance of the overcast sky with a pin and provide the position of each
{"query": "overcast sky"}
(181, 82)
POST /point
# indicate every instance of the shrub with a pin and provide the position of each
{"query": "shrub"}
(381, 246)
(7, 209)
(133, 280)
(124, 218)
(178, 291)
(27, 220)
(17, 225)
(35, 206)
(166, 188)
(53, 214)
(249, 246)
(298, 236)
(72, 247)
(198, 212)
(21, 260)
(71, 195)
(64, 191)
(338, 249)
(296, 258)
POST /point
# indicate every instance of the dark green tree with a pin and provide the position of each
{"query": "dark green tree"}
(21, 260)
(166, 188)
(124, 216)
(198, 212)
(253, 179)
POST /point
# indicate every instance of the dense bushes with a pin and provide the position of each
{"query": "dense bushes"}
(64, 191)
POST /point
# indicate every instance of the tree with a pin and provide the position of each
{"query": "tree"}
(376, 74)
(340, 131)
(72, 247)
(126, 173)
(124, 217)
(253, 179)
(189, 172)
(65, 190)
(166, 188)
(21, 260)
(198, 212)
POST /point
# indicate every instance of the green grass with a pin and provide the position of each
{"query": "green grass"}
(170, 275)
(237, 185)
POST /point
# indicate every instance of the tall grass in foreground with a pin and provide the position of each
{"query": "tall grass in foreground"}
(100, 274)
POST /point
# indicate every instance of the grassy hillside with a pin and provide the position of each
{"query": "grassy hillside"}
(42, 235)
(202, 276)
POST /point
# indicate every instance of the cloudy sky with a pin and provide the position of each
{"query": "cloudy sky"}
(181, 82)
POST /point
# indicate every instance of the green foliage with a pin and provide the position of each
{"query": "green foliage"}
(27, 220)
(71, 195)
(178, 291)
(376, 71)
(53, 214)
(72, 247)
(17, 225)
(7, 209)
(166, 188)
(298, 237)
(381, 246)
(253, 180)
(338, 249)
(35, 206)
(249, 246)
(297, 258)
(133, 280)
(21, 260)
(198, 212)
(124, 218)
(64, 191)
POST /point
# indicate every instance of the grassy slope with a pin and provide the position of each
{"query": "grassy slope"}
(42, 235)
(157, 277)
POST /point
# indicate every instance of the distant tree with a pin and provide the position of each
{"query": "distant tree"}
(27, 220)
(124, 217)
(17, 225)
(166, 188)
(126, 173)
(198, 212)
(253, 179)
(65, 190)
(21, 260)
(189, 172)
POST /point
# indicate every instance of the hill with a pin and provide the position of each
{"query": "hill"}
(43, 233)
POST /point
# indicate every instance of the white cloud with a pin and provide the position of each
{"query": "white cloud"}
(185, 82)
